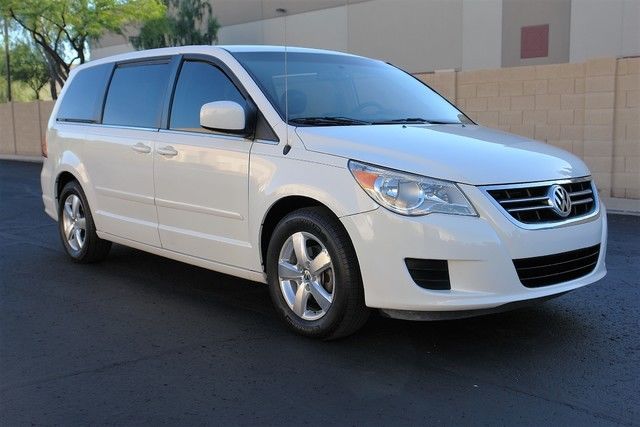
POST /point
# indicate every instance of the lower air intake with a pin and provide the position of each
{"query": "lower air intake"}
(553, 269)
(429, 273)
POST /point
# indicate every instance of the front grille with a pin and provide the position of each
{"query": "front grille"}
(531, 204)
(553, 269)
(429, 273)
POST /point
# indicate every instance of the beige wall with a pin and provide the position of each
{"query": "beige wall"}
(23, 126)
(591, 109)
(626, 131)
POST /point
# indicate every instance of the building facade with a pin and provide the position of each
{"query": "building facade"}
(565, 72)
(426, 35)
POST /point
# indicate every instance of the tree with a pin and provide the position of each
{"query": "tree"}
(4, 96)
(62, 28)
(188, 22)
(30, 67)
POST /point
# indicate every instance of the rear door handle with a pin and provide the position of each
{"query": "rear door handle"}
(141, 148)
(167, 151)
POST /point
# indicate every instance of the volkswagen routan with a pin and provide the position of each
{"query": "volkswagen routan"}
(342, 182)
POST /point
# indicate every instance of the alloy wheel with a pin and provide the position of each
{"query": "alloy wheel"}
(306, 276)
(74, 223)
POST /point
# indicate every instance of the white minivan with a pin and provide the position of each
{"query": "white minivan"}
(342, 182)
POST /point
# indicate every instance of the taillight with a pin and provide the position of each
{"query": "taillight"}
(43, 147)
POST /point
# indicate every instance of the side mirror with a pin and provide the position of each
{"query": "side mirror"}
(224, 116)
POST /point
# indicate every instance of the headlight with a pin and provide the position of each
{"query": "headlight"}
(409, 194)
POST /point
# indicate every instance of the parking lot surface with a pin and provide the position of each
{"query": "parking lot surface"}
(139, 339)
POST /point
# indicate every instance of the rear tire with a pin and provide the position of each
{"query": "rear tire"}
(314, 276)
(76, 227)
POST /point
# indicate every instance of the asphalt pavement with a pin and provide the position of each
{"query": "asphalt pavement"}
(143, 340)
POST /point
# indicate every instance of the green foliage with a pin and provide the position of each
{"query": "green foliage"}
(29, 66)
(189, 22)
(81, 19)
(20, 92)
(3, 90)
(23, 91)
(153, 34)
(62, 28)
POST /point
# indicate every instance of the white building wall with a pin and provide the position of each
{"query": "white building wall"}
(424, 35)
(249, 33)
(481, 34)
(604, 28)
(417, 35)
(110, 44)
(323, 29)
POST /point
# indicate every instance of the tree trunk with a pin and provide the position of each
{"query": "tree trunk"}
(52, 79)
(7, 59)
(53, 89)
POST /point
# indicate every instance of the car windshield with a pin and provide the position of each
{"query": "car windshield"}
(338, 90)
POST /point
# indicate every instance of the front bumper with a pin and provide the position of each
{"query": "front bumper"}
(479, 250)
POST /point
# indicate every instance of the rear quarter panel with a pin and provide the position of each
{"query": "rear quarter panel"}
(65, 151)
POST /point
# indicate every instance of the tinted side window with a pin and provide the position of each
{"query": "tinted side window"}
(198, 84)
(136, 94)
(82, 100)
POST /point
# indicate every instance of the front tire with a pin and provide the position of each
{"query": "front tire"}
(76, 226)
(314, 276)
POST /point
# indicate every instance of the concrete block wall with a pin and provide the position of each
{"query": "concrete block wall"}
(626, 130)
(23, 126)
(591, 109)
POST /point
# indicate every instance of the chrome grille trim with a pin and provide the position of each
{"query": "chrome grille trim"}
(582, 202)
(526, 199)
(581, 193)
(512, 207)
(529, 208)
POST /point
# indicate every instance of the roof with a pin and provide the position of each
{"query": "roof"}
(273, 48)
(206, 49)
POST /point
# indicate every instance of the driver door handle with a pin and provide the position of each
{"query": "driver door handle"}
(167, 151)
(141, 148)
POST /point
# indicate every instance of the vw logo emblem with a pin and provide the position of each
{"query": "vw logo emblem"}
(559, 200)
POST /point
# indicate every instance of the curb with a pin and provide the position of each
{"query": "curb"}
(622, 206)
(19, 158)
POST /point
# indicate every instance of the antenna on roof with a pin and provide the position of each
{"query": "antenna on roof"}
(287, 147)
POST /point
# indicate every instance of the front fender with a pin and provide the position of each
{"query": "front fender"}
(273, 177)
(325, 179)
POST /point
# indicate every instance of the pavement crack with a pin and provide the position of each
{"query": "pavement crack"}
(573, 406)
(121, 363)
(22, 239)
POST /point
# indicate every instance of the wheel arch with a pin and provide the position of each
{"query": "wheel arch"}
(62, 179)
(67, 167)
(279, 210)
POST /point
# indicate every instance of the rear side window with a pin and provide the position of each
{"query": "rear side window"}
(82, 100)
(136, 94)
(199, 83)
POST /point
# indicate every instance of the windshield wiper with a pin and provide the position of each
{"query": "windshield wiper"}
(327, 121)
(413, 120)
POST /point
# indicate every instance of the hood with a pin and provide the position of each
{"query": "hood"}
(467, 154)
